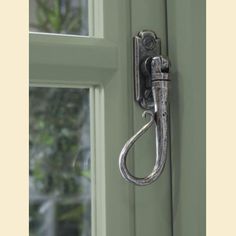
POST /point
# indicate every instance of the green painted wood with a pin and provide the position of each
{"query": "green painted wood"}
(117, 120)
(56, 59)
(72, 51)
(153, 202)
(186, 43)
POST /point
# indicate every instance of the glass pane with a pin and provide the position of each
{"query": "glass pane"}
(59, 165)
(59, 16)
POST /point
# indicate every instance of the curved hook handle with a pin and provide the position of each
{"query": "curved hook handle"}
(123, 154)
(160, 118)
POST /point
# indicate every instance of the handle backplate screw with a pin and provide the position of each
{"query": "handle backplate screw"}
(149, 42)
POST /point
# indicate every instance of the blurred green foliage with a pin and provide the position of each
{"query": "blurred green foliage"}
(58, 16)
(56, 118)
(56, 122)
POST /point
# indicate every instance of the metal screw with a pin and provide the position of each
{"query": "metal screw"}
(149, 42)
(147, 93)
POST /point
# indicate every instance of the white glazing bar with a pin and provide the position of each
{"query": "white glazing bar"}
(95, 18)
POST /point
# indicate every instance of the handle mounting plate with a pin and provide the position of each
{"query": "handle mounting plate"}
(146, 46)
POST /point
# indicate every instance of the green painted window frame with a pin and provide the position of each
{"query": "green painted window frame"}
(104, 64)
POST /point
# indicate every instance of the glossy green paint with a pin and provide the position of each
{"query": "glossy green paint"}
(186, 44)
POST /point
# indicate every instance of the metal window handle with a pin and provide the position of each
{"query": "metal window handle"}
(151, 76)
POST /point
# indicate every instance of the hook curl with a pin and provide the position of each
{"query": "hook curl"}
(123, 156)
